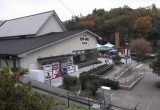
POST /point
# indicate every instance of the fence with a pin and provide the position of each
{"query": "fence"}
(118, 74)
(129, 80)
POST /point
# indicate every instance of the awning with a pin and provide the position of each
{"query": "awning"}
(98, 45)
(113, 50)
(109, 45)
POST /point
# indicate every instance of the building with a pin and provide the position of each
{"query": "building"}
(41, 39)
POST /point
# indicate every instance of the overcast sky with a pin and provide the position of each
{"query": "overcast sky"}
(65, 8)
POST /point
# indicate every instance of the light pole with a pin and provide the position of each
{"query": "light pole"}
(126, 52)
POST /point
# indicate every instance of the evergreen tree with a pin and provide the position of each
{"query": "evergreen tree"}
(155, 64)
(15, 96)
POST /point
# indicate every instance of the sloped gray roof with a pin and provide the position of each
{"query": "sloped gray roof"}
(28, 25)
(21, 45)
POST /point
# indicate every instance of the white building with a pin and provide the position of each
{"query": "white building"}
(40, 39)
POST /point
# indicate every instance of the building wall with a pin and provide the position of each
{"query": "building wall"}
(61, 48)
(10, 62)
(51, 25)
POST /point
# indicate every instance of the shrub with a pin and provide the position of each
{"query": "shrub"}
(117, 57)
(83, 80)
(110, 83)
(69, 80)
(93, 86)
(117, 60)
(74, 80)
(158, 84)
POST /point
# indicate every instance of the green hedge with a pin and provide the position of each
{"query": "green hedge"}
(110, 83)
(117, 57)
(69, 80)
(92, 81)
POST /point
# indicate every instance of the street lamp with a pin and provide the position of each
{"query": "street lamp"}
(126, 52)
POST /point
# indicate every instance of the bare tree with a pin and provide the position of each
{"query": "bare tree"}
(141, 47)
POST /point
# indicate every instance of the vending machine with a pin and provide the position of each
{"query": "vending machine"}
(48, 71)
(56, 70)
(63, 68)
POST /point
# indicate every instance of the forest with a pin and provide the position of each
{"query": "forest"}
(143, 22)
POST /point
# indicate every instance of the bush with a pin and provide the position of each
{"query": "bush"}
(117, 57)
(117, 60)
(93, 86)
(69, 80)
(158, 84)
(110, 83)
(83, 80)
(74, 79)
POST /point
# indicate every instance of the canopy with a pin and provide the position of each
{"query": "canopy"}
(113, 50)
(102, 47)
(109, 45)
(98, 45)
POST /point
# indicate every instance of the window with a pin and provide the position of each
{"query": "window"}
(82, 57)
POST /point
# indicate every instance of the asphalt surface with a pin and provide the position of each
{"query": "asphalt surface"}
(145, 94)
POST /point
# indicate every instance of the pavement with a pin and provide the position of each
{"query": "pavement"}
(145, 94)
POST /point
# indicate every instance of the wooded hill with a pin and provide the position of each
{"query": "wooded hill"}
(131, 23)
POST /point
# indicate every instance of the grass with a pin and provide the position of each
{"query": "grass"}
(59, 103)
(62, 104)
(86, 93)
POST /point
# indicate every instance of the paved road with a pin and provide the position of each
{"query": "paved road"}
(145, 93)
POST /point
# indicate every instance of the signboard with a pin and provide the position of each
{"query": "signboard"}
(56, 70)
(48, 71)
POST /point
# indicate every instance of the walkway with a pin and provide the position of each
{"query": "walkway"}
(145, 93)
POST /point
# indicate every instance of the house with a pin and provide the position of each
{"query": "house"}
(41, 39)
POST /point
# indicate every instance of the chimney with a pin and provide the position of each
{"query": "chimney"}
(117, 40)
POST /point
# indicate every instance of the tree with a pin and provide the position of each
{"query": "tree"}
(155, 64)
(143, 25)
(133, 23)
(16, 96)
(141, 47)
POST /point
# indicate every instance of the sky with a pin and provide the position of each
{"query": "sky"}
(65, 9)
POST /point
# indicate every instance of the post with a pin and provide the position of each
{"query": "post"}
(104, 98)
(108, 96)
(50, 82)
(126, 52)
(88, 103)
(68, 98)
(126, 60)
